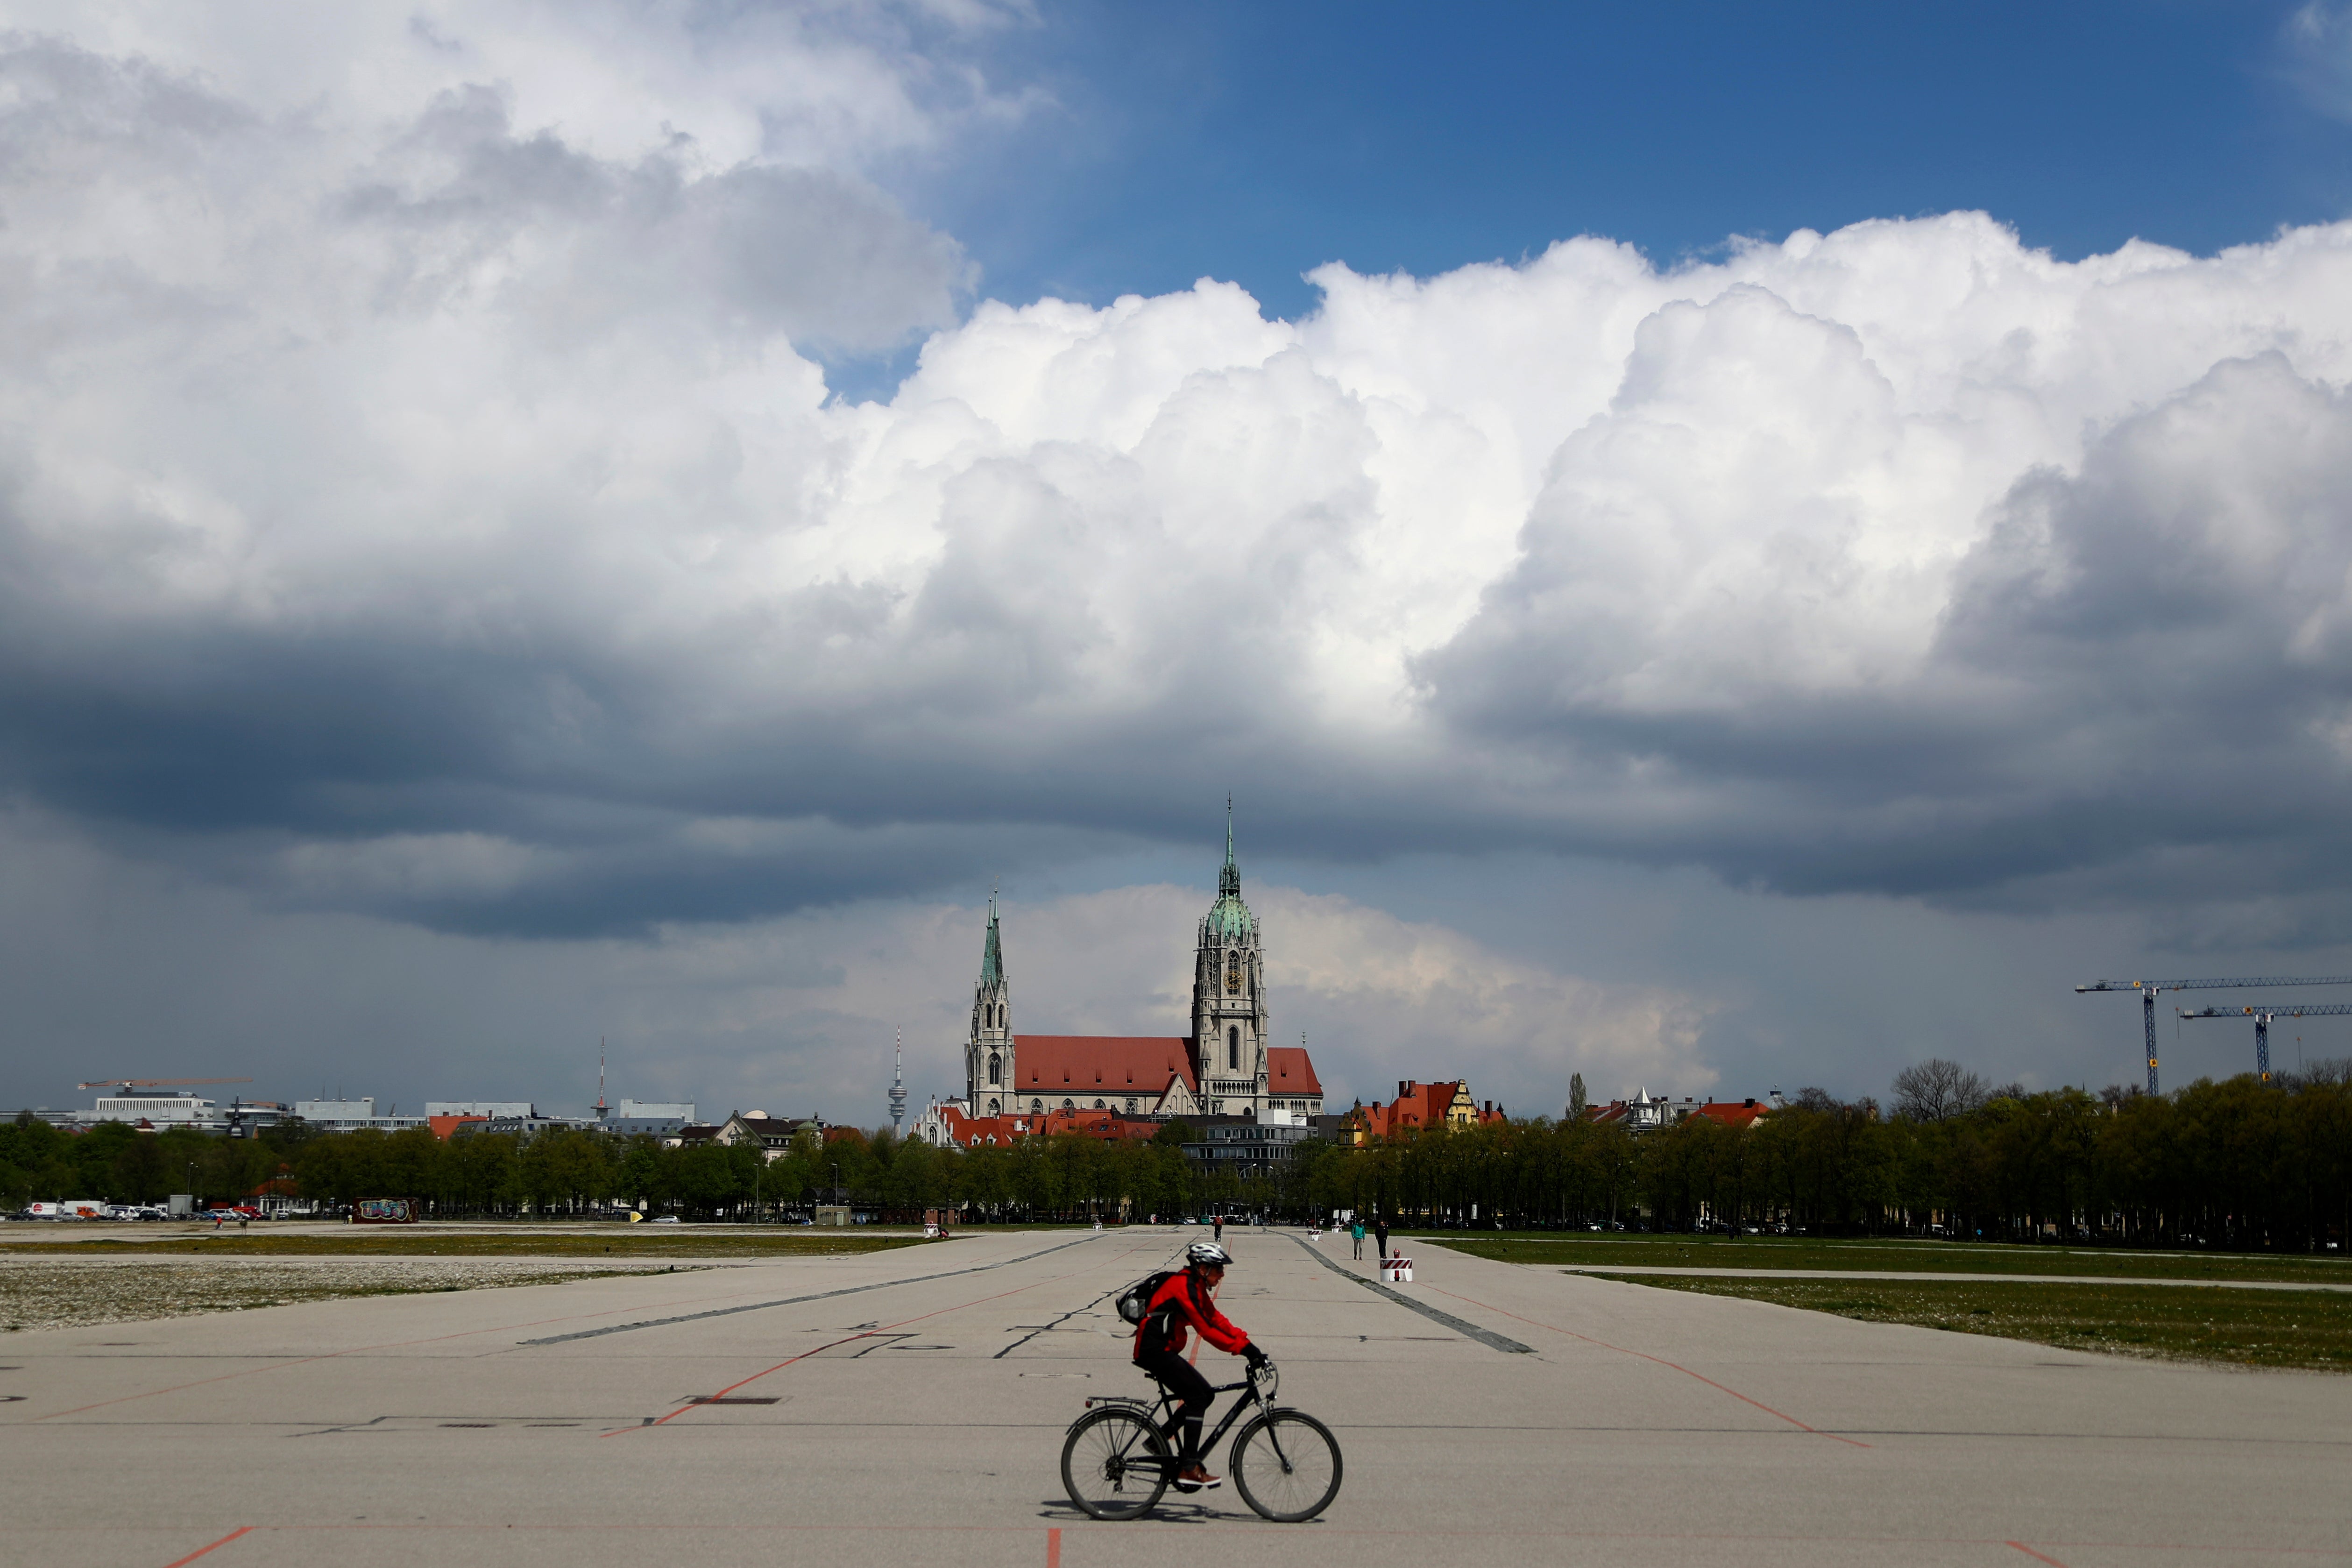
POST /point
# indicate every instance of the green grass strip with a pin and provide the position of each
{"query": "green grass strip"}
(2285, 1328)
(1891, 1257)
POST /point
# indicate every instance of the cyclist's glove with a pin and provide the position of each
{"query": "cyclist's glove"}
(1254, 1356)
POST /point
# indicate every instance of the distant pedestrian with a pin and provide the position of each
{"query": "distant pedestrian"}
(1356, 1230)
(1380, 1232)
(1217, 1223)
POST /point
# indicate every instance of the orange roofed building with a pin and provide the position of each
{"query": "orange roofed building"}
(1014, 1084)
(1419, 1107)
(1646, 1112)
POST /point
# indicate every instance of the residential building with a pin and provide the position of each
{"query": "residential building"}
(1646, 1112)
(1419, 1107)
(660, 1117)
(773, 1135)
(1248, 1144)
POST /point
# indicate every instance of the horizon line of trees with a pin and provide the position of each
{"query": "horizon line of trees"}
(567, 1170)
(2234, 1162)
(2231, 1163)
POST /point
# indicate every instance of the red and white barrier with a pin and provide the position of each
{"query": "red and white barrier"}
(1397, 1271)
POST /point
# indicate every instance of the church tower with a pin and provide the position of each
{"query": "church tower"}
(988, 1058)
(1229, 1022)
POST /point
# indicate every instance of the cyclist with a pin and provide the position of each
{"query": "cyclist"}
(1180, 1306)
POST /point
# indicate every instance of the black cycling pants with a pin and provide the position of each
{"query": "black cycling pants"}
(1183, 1379)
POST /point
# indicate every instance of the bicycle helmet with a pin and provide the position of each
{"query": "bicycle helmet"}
(1207, 1255)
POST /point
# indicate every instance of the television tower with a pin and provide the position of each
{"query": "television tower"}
(898, 1081)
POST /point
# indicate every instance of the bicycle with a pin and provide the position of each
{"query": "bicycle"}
(1116, 1461)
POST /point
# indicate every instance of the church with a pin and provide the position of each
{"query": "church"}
(1223, 1067)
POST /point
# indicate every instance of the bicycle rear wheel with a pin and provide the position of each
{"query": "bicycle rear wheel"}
(1115, 1463)
(1287, 1466)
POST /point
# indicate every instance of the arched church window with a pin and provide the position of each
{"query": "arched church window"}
(1068, 1106)
(1234, 1048)
(1131, 1105)
(1099, 1106)
(996, 1069)
(1036, 1107)
(995, 1108)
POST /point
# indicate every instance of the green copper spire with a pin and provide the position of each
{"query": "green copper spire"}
(991, 957)
(1229, 918)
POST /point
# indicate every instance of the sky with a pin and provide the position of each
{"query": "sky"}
(1717, 548)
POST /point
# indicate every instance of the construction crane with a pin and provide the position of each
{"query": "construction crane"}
(2147, 990)
(154, 1082)
(2261, 1013)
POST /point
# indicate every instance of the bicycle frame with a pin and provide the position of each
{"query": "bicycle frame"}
(1166, 1406)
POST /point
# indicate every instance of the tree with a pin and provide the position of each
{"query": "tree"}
(1936, 1090)
(1576, 1101)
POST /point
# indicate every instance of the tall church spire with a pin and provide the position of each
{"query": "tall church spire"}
(1229, 880)
(989, 1077)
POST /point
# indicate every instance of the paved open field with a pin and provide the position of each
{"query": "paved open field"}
(921, 1397)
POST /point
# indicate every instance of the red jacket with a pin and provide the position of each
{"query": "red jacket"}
(1183, 1303)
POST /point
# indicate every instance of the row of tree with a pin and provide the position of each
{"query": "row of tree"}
(2236, 1163)
(569, 1172)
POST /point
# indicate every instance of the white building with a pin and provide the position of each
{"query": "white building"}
(351, 1115)
(161, 1110)
(518, 1110)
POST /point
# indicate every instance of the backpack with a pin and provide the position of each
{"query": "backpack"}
(1135, 1299)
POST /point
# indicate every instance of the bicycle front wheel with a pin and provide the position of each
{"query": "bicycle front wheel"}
(1115, 1463)
(1287, 1466)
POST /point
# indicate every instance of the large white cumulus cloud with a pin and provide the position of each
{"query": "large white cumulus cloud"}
(420, 493)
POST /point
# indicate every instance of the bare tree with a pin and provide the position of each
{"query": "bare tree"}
(1936, 1090)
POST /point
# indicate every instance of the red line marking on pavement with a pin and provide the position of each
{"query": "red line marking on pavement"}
(863, 1334)
(1053, 1549)
(2035, 1555)
(215, 1546)
(1621, 1350)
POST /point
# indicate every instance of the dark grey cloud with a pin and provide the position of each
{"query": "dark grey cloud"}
(441, 516)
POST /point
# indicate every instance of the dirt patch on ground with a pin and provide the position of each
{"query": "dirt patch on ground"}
(63, 1293)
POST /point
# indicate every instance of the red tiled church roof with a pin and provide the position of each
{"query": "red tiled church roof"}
(1290, 1071)
(1102, 1064)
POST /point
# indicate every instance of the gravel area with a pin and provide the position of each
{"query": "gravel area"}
(64, 1293)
